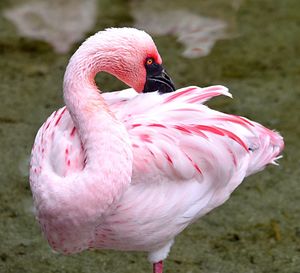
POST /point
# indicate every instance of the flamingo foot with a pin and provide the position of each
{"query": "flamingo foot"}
(158, 267)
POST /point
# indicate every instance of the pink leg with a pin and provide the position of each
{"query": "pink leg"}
(158, 267)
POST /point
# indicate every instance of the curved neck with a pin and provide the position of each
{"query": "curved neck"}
(80, 90)
(104, 138)
(87, 108)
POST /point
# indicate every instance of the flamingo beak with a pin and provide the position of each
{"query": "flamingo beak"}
(158, 80)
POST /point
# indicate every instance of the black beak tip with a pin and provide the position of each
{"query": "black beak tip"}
(162, 87)
(161, 83)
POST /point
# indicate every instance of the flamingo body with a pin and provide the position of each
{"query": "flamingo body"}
(176, 158)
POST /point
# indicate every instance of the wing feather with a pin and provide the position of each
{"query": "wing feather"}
(170, 134)
(177, 135)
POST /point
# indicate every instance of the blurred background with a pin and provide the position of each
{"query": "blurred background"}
(251, 46)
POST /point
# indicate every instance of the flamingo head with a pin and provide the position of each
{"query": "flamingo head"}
(131, 56)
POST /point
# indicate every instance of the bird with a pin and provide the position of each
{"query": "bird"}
(130, 170)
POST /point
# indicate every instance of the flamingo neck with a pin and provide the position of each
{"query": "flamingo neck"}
(98, 128)
(81, 94)
(88, 110)
(106, 143)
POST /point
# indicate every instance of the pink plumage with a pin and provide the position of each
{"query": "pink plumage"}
(130, 171)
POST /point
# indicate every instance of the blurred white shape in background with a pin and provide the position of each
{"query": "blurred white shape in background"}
(58, 22)
(64, 22)
(197, 33)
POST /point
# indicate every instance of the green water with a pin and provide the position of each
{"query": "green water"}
(258, 229)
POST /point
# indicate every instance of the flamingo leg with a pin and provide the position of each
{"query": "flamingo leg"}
(158, 267)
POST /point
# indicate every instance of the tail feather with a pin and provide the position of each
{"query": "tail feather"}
(265, 149)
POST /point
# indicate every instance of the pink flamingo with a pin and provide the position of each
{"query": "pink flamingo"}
(130, 170)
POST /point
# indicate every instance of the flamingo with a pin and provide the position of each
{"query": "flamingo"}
(130, 170)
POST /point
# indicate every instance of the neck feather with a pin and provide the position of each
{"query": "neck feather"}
(88, 110)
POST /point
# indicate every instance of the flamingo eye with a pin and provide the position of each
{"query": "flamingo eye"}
(149, 61)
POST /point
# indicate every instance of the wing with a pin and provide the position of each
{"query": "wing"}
(175, 135)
